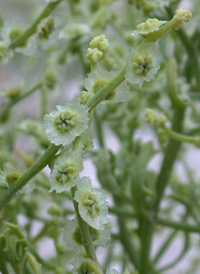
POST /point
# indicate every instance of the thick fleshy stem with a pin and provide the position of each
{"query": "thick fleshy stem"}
(32, 29)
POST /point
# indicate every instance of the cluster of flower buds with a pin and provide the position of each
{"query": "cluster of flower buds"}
(153, 118)
(98, 46)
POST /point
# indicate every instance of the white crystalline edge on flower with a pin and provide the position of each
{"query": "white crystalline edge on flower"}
(69, 229)
(30, 48)
(151, 48)
(74, 30)
(57, 186)
(53, 37)
(78, 260)
(104, 235)
(101, 219)
(7, 27)
(95, 76)
(121, 91)
(68, 236)
(66, 138)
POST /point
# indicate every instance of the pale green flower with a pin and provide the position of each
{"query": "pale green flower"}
(98, 79)
(47, 32)
(91, 203)
(5, 53)
(143, 63)
(66, 169)
(85, 266)
(13, 92)
(11, 31)
(65, 124)
(10, 175)
(75, 30)
(111, 271)
(73, 238)
(50, 80)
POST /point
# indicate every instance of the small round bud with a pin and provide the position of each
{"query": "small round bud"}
(11, 178)
(47, 32)
(162, 136)
(50, 79)
(93, 55)
(148, 7)
(54, 210)
(99, 42)
(153, 119)
(84, 97)
(183, 15)
(13, 92)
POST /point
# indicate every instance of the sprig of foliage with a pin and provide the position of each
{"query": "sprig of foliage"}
(129, 73)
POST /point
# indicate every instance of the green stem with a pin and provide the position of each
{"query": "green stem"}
(179, 225)
(125, 240)
(40, 260)
(169, 157)
(171, 85)
(182, 254)
(87, 241)
(164, 247)
(32, 29)
(30, 173)
(163, 222)
(52, 149)
(99, 130)
(4, 110)
(190, 48)
(182, 138)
